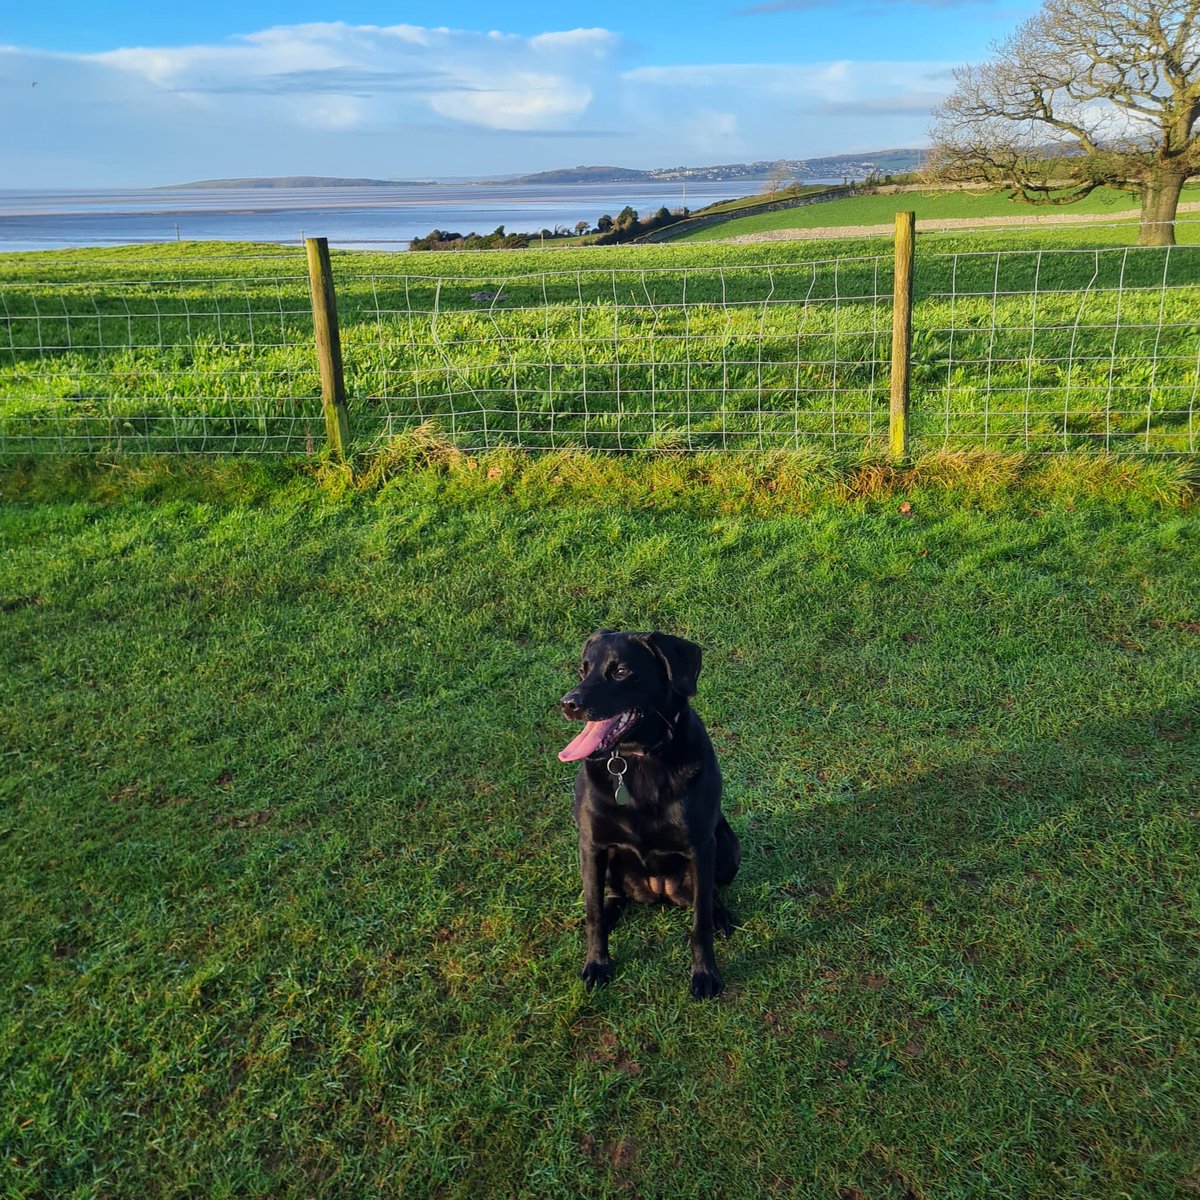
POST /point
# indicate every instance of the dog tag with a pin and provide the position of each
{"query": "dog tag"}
(621, 793)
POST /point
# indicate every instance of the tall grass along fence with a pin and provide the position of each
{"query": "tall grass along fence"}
(1036, 349)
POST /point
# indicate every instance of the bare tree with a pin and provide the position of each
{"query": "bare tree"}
(779, 179)
(1085, 93)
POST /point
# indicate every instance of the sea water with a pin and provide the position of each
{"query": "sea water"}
(380, 217)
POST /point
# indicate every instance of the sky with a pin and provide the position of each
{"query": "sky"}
(113, 93)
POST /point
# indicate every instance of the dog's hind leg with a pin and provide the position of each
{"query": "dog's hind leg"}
(706, 979)
(614, 906)
(729, 858)
(593, 861)
(729, 853)
(615, 898)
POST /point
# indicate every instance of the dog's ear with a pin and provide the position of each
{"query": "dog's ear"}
(679, 657)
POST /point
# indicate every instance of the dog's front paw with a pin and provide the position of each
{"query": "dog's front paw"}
(596, 974)
(706, 985)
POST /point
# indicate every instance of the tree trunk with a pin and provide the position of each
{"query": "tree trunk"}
(1160, 199)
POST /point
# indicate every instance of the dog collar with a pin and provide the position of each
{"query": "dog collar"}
(662, 741)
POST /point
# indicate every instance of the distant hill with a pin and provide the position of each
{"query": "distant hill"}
(857, 166)
(583, 175)
(298, 181)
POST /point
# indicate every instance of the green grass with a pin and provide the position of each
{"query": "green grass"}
(1022, 343)
(932, 206)
(783, 193)
(288, 895)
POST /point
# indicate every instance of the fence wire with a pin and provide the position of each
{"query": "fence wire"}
(1043, 350)
(166, 364)
(1058, 349)
(687, 358)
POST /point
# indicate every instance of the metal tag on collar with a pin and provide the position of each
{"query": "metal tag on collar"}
(622, 795)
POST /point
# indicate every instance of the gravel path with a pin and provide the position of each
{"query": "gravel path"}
(946, 223)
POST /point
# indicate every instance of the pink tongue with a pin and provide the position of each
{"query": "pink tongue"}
(587, 741)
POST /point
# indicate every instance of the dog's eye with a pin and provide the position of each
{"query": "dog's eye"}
(583, 669)
(620, 673)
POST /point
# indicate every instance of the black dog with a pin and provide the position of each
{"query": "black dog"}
(648, 795)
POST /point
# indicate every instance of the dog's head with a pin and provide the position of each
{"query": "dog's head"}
(631, 688)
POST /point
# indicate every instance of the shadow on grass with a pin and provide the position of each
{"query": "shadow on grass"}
(960, 843)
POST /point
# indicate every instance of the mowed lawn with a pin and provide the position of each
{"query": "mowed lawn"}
(288, 894)
(941, 205)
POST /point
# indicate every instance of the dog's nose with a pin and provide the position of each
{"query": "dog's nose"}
(571, 707)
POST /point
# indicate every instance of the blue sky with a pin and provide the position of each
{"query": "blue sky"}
(109, 94)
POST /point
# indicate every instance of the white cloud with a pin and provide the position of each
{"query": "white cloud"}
(773, 91)
(840, 80)
(860, 6)
(405, 101)
(492, 80)
(595, 43)
(764, 111)
(521, 100)
(337, 113)
(715, 134)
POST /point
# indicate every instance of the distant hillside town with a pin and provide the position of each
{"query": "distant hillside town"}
(854, 166)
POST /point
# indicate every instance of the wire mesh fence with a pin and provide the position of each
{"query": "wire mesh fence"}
(686, 358)
(167, 363)
(1036, 349)
(1054, 350)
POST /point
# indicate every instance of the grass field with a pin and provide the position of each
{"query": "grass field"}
(288, 899)
(1034, 343)
(732, 206)
(933, 206)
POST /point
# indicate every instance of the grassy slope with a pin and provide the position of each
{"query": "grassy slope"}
(288, 901)
(760, 198)
(929, 206)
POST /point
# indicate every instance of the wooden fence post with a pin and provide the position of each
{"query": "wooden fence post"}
(329, 347)
(902, 332)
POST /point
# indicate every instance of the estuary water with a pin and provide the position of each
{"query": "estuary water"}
(350, 217)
